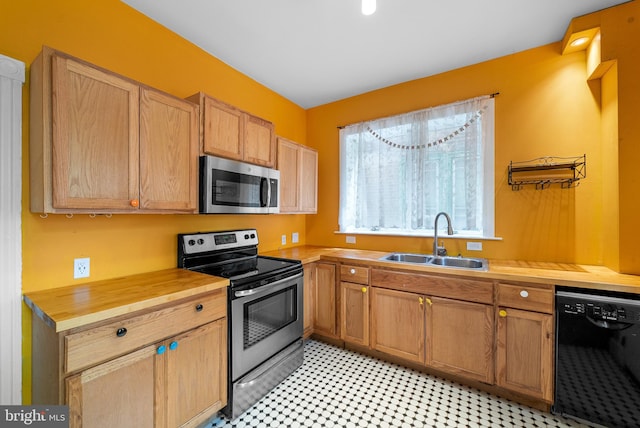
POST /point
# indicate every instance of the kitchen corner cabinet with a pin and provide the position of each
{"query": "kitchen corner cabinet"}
(525, 340)
(398, 323)
(102, 143)
(298, 166)
(354, 304)
(229, 132)
(163, 367)
(325, 320)
(460, 337)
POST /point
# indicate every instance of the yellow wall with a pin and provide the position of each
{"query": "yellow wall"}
(112, 35)
(620, 32)
(610, 202)
(545, 108)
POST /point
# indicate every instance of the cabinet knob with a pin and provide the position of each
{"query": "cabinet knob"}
(173, 345)
(364, 289)
(524, 294)
(121, 332)
(420, 300)
(502, 313)
(199, 307)
(134, 203)
(429, 302)
(161, 349)
(352, 271)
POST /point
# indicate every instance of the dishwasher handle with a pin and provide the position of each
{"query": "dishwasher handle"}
(609, 325)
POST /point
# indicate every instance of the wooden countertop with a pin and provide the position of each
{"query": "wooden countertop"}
(571, 275)
(77, 305)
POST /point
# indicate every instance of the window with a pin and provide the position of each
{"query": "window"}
(398, 173)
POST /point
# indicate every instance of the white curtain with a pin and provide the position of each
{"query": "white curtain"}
(398, 172)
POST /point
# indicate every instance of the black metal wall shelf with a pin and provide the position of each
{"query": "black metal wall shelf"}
(548, 170)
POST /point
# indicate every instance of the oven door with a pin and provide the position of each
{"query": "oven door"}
(264, 320)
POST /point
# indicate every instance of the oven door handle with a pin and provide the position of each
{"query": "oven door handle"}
(251, 292)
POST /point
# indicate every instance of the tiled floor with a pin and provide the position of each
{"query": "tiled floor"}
(340, 388)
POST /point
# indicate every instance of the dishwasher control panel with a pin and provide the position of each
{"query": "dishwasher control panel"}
(592, 307)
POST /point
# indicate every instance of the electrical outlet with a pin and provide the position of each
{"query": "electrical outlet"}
(294, 238)
(351, 239)
(284, 239)
(474, 246)
(81, 268)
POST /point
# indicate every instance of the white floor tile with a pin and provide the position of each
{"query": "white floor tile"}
(344, 389)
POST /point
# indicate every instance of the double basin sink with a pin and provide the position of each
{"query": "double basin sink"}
(439, 261)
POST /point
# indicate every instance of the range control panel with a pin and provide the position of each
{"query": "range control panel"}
(606, 311)
(204, 242)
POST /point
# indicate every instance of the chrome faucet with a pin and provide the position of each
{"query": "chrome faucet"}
(440, 251)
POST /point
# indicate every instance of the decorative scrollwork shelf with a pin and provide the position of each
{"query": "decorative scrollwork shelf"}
(548, 170)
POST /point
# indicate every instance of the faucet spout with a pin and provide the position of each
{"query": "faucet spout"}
(437, 250)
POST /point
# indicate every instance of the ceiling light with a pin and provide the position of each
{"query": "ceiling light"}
(578, 42)
(368, 7)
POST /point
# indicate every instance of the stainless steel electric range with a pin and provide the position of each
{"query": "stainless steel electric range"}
(265, 318)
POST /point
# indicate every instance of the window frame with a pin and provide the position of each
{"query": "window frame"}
(487, 228)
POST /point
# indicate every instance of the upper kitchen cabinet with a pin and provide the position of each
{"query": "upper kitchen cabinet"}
(298, 166)
(102, 143)
(229, 132)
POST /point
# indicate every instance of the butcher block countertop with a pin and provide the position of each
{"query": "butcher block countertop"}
(74, 306)
(571, 275)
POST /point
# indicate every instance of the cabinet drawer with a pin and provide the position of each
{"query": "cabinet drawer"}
(357, 274)
(525, 297)
(92, 346)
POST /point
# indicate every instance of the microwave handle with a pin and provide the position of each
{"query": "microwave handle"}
(265, 192)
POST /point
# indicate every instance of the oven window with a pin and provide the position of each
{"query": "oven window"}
(265, 316)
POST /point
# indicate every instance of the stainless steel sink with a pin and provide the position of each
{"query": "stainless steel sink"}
(460, 262)
(407, 257)
(439, 261)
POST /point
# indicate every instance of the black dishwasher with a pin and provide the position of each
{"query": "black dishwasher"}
(598, 357)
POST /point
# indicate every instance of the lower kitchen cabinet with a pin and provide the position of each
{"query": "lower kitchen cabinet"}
(354, 315)
(176, 383)
(398, 323)
(325, 321)
(525, 352)
(460, 338)
(163, 367)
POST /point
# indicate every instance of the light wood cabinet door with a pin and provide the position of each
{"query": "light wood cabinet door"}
(309, 297)
(298, 166)
(354, 325)
(168, 152)
(119, 393)
(308, 181)
(95, 136)
(289, 168)
(231, 133)
(324, 318)
(398, 323)
(525, 352)
(195, 375)
(222, 128)
(460, 337)
(259, 141)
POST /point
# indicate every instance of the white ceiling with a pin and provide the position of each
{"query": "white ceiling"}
(317, 51)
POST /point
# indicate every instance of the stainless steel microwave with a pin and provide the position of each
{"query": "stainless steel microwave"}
(233, 187)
